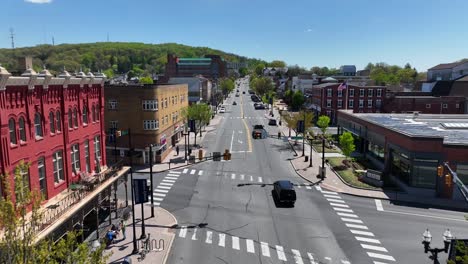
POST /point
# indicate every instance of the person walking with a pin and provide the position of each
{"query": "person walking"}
(177, 150)
(123, 226)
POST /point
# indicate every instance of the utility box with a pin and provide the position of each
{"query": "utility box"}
(200, 154)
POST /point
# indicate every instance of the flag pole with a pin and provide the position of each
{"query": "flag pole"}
(347, 92)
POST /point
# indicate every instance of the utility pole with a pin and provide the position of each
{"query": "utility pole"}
(53, 41)
(12, 36)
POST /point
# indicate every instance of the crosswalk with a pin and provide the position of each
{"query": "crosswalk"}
(250, 246)
(245, 117)
(163, 188)
(356, 226)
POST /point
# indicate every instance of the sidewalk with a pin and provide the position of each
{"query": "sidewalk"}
(334, 183)
(161, 237)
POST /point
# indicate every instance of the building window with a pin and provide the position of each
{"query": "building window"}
(75, 158)
(340, 93)
(370, 92)
(428, 106)
(42, 177)
(22, 129)
(166, 119)
(98, 113)
(378, 103)
(329, 103)
(114, 124)
(97, 148)
(340, 103)
(361, 92)
(351, 104)
(150, 105)
(12, 128)
(58, 167)
(445, 106)
(351, 92)
(87, 158)
(85, 115)
(75, 117)
(38, 125)
(379, 92)
(70, 119)
(369, 103)
(59, 121)
(151, 124)
(457, 106)
(361, 103)
(329, 92)
(112, 104)
(93, 110)
(52, 122)
(22, 187)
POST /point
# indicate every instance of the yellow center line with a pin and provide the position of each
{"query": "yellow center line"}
(249, 140)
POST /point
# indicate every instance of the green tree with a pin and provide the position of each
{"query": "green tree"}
(461, 254)
(201, 113)
(259, 69)
(243, 72)
(277, 64)
(226, 85)
(323, 123)
(292, 118)
(347, 144)
(262, 85)
(297, 100)
(146, 80)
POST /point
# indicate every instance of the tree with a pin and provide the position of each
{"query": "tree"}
(461, 253)
(347, 144)
(297, 100)
(292, 119)
(201, 113)
(243, 71)
(288, 95)
(262, 85)
(259, 69)
(323, 122)
(226, 85)
(277, 64)
(18, 243)
(146, 80)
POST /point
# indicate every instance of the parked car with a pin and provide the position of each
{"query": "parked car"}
(234, 103)
(237, 95)
(222, 110)
(284, 192)
(243, 92)
(259, 106)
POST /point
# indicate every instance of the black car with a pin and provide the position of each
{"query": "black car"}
(284, 192)
(272, 122)
(259, 106)
(243, 92)
(234, 103)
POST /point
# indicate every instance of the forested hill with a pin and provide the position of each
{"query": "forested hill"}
(111, 57)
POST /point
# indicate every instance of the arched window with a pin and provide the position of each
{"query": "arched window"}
(12, 128)
(97, 113)
(93, 110)
(75, 117)
(38, 125)
(22, 129)
(52, 122)
(59, 121)
(85, 115)
(70, 119)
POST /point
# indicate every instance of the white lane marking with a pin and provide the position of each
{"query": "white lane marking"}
(297, 256)
(209, 237)
(222, 238)
(363, 233)
(308, 187)
(328, 258)
(332, 196)
(232, 140)
(376, 248)
(311, 258)
(318, 188)
(327, 192)
(166, 184)
(339, 205)
(176, 172)
(161, 191)
(155, 203)
(265, 249)
(345, 262)
(251, 178)
(351, 220)
(427, 216)
(280, 252)
(260, 179)
(173, 175)
(343, 210)
(171, 181)
(200, 173)
(378, 204)
(378, 262)
(194, 236)
(235, 243)
(250, 246)
(242, 177)
(233, 176)
(357, 226)
(183, 232)
(192, 172)
(368, 240)
(335, 200)
(170, 178)
(185, 171)
(159, 194)
(380, 256)
(158, 199)
(163, 187)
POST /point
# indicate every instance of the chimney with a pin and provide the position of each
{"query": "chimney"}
(25, 63)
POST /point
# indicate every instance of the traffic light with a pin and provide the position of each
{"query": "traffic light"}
(118, 133)
(448, 179)
(440, 171)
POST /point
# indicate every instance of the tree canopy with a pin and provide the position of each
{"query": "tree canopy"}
(323, 122)
(261, 85)
(347, 144)
(226, 85)
(385, 74)
(297, 100)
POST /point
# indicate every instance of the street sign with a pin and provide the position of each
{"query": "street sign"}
(141, 191)
(124, 132)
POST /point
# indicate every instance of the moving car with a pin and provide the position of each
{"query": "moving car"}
(272, 122)
(284, 192)
(234, 103)
(222, 110)
(258, 132)
(237, 95)
(259, 106)
(243, 92)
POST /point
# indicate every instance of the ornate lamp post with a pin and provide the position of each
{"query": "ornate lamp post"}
(427, 237)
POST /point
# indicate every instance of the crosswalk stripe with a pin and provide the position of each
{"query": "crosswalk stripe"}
(260, 179)
(376, 248)
(170, 178)
(173, 175)
(265, 249)
(250, 246)
(280, 252)
(311, 258)
(297, 256)
(176, 172)
(335, 200)
(235, 243)
(161, 191)
(327, 192)
(332, 196)
(368, 240)
(159, 194)
(251, 178)
(343, 210)
(183, 232)
(171, 181)
(378, 262)
(339, 205)
(308, 187)
(163, 187)
(318, 188)
(233, 176)
(155, 203)
(192, 172)
(185, 171)
(166, 184)
(200, 173)
(209, 237)
(158, 199)
(363, 233)
(194, 236)
(347, 215)
(356, 226)
(222, 238)
(242, 177)
(380, 256)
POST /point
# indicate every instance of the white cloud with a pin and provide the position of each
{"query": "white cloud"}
(308, 30)
(39, 1)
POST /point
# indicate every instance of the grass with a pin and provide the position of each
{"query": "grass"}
(318, 147)
(348, 174)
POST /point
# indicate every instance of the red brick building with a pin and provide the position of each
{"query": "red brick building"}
(55, 124)
(422, 102)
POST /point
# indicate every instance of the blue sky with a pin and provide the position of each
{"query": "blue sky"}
(304, 32)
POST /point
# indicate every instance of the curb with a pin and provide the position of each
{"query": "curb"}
(349, 185)
(172, 235)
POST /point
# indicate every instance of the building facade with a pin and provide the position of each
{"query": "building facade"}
(447, 71)
(200, 89)
(347, 70)
(425, 103)
(211, 66)
(55, 124)
(153, 115)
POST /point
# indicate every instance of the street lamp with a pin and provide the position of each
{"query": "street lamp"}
(427, 237)
(150, 150)
(310, 145)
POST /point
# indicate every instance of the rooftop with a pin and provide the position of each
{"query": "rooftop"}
(452, 128)
(443, 66)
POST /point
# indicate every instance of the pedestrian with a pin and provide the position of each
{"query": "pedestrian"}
(177, 150)
(123, 226)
